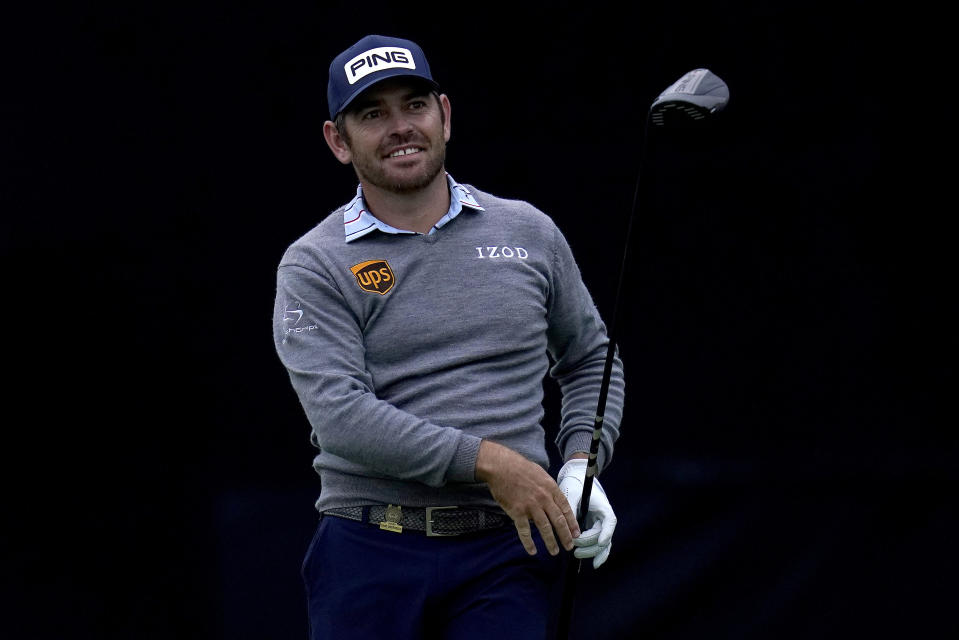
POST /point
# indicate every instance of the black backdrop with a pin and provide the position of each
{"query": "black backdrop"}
(788, 451)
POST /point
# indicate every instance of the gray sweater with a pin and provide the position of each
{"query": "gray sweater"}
(406, 350)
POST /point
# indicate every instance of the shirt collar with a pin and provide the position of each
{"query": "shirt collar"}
(358, 221)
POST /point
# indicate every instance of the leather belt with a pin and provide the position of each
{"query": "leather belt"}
(433, 521)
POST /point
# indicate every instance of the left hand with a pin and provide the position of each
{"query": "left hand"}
(596, 541)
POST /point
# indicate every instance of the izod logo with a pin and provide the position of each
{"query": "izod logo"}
(374, 276)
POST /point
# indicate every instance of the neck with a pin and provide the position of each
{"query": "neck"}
(416, 211)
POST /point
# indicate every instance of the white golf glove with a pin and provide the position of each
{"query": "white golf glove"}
(596, 541)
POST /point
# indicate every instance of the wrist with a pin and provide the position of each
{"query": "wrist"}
(487, 460)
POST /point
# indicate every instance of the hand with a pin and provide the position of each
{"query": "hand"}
(596, 542)
(526, 492)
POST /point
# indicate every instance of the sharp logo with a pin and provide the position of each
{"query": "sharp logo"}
(376, 60)
(292, 315)
(374, 276)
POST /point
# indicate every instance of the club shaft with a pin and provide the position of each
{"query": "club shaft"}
(574, 565)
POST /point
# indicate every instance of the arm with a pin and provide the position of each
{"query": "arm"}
(578, 345)
(320, 342)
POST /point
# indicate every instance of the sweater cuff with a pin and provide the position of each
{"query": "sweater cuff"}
(581, 441)
(463, 466)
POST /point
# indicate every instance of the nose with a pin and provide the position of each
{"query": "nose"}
(400, 123)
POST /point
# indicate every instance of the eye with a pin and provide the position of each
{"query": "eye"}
(372, 114)
(417, 105)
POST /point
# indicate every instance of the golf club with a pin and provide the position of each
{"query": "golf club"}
(692, 99)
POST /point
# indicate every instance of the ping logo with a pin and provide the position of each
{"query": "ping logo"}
(374, 276)
(688, 83)
(376, 60)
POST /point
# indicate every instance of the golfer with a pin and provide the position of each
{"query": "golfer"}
(417, 323)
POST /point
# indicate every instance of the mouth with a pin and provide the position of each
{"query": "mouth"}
(405, 151)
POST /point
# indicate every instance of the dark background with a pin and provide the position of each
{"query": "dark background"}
(787, 461)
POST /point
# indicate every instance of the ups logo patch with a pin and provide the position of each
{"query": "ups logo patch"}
(374, 276)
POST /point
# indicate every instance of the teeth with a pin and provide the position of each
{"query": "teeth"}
(404, 152)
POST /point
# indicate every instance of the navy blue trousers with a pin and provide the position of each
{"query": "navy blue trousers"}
(363, 582)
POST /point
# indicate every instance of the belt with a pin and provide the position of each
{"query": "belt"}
(434, 521)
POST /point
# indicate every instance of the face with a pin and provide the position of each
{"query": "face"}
(395, 136)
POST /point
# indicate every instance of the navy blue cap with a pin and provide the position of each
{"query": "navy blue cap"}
(371, 60)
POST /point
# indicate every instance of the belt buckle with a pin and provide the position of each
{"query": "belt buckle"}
(429, 522)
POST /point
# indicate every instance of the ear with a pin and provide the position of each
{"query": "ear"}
(336, 143)
(445, 106)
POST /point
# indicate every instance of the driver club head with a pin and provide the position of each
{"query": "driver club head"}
(692, 99)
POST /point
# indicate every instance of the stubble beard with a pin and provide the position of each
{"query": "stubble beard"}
(373, 172)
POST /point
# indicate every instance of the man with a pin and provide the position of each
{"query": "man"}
(417, 323)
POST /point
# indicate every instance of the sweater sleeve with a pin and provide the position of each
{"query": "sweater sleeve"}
(578, 344)
(320, 342)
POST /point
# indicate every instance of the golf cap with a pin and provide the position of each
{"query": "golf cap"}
(373, 59)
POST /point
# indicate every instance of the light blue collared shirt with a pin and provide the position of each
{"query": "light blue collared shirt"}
(358, 221)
